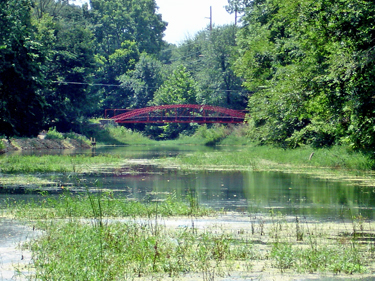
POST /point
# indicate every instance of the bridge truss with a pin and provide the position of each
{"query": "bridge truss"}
(178, 113)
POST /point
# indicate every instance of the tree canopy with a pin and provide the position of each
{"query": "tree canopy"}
(303, 68)
(309, 64)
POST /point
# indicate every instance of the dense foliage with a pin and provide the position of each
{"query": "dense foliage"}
(311, 67)
(304, 69)
(61, 63)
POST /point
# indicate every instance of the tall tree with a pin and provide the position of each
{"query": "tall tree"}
(123, 29)
(143, 81)
(64, 30)
(307, 61)
(116, 21)
(21, 102)
(220, 86)
(71, 69)
(120, 63)
(179, 88)
(209, 56)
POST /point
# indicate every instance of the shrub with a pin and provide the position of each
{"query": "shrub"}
(53, 134)
(78, 137)
(213, 135)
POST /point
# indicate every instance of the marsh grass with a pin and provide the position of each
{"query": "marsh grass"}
(74, 250)
(31, 164)
(265, 156)
(216, 134)
(83, 240)
(118, 135)
(98, 205)
(335, 163)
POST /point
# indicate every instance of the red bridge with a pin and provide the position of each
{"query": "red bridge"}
(177, 113)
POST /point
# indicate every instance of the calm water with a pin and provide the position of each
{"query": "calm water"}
(292, 194)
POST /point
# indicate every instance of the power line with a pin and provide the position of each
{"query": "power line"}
(84, 83)
(113, 85)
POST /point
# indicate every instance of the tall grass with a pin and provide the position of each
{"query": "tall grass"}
(91, 205)
(29, 164)
(117, 135)
(264, 157)
(101, 248)
(216, 134)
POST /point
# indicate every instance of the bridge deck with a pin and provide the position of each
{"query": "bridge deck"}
(185, 113)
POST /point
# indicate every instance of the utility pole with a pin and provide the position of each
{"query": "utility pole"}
(210, 18)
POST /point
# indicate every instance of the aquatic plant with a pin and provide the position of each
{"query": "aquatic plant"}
(29, 164)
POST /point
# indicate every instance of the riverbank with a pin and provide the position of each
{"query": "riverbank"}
(14, 144)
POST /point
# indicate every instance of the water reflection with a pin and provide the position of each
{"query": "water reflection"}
(292, 194)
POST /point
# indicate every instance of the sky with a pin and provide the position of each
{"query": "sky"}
(186, 17)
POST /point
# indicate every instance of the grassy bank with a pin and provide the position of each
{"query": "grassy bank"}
(251, 157)
(31, 164)
(100, 205)
(143, 245)
(117, 135)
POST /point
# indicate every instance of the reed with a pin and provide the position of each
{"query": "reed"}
(102, 204)
(131, 249)
(31, 164)
(118, 135)
(334, 162)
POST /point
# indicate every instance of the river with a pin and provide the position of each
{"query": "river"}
(253, 191)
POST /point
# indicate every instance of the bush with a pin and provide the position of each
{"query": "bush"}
(78, 137)
(2, 146)
(53, 134)
(213, 135)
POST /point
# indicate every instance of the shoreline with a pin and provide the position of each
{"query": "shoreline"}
(39, 144)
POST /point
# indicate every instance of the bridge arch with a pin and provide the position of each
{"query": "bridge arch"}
(181, 113)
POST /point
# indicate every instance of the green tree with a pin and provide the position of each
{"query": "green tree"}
(220, 86)
(71, 68)
(123, 29)
(116, 21)
(310, 65)
(143, 81)
(179, 88)
(209, 56)
(22, 104)
(64, 32)
(120, 63)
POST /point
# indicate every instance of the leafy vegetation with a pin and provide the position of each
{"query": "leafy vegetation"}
(117, 135)
(79, 60)
(268, 158)
(30, 164)
(304, 69)
(103, 203)
(96, 247)
(309, 65)
(53, 134)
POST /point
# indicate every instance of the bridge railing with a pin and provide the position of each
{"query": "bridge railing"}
(178, 113)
